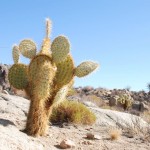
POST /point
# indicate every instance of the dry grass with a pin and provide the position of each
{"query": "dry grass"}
(73, 112)
(135, 128)
(115, 133)
(96, 100)
(146, 116)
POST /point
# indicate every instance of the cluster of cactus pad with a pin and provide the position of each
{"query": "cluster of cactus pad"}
(125, 100)
(47, 78)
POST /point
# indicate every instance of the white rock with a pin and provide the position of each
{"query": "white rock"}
(13, 110)
(97, 137)
(90, 136)
(89, 104)
(106, 117)
(67, 144)
(93, 136)
(5, 92)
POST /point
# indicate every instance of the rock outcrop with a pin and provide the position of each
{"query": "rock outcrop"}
(4, 84)
(140, 99)
(13, 114)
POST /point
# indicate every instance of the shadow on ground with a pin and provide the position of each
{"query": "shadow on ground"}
(6, 122)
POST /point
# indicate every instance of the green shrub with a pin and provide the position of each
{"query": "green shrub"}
(72, 112)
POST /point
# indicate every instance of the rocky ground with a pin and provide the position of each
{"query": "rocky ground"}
(13, 114)
(131, 132)
(104, 97)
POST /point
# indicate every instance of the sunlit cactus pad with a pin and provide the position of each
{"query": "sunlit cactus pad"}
(18, 76)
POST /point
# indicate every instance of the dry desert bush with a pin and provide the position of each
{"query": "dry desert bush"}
(115, 133)
(72, 112)
(136, 128)
(146, 116)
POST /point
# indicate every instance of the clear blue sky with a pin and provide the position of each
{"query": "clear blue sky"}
(114, 33)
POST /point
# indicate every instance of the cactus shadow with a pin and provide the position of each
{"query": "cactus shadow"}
(5, 122)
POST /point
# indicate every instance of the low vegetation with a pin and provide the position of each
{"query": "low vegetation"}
(115, 133)
(134, 129)
(146, 116)
(125, 100)
(72, 112)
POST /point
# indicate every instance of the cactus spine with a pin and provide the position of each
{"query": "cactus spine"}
(46, 79)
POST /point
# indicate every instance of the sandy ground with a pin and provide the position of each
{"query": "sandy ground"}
(78, 135)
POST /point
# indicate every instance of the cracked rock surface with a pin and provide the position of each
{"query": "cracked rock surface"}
(13, 115)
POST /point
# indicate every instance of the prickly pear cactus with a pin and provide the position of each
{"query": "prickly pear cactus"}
(15, 53)
(125, 100)
(47, 78)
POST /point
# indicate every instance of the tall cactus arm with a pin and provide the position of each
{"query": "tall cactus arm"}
(46, 47)
(41, 74)
(47, 42)
(15, 54)
(48, 27)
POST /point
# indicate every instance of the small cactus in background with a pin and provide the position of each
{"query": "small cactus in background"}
(47, 78)
(125, 100)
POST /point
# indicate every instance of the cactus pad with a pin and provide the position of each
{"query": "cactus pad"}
(64, 72)
(85, 68)
(60, 96)
(60, 48)
(41, 74)
(27, 48)
(17, 76)
(16, 53)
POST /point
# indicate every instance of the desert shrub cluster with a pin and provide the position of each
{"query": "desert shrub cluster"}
(72, 112)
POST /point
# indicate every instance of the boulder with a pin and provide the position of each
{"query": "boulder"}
(112, 101)
(143, 107)
(4, 76)
(136, 105)
(66, 143)
(13, 114)
(106, 117)
(89, 104)
(140, 106)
